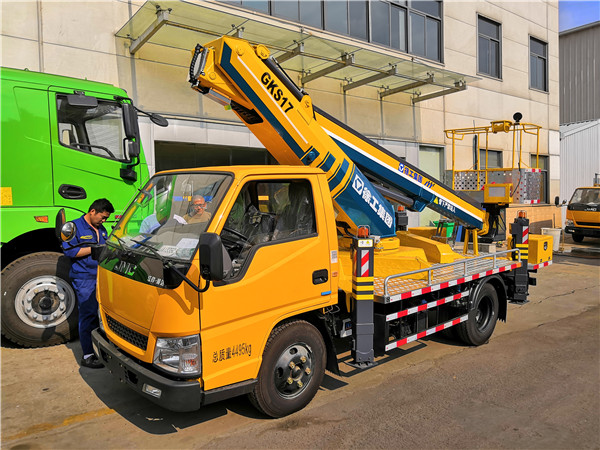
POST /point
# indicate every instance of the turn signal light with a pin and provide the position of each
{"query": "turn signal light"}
(363, 232)
(41, 219)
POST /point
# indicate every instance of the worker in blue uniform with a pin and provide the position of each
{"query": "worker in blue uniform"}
(83, 273)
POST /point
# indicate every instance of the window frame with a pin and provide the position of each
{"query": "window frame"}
(249, 257)
(489, 38)
(407, 10)
(545, 170)
(83, 131)
(497, 154)
(393, 7)
(544, 58)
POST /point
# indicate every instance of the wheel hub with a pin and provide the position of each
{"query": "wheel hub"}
(44, 302)
(293, 370)
(483, 315)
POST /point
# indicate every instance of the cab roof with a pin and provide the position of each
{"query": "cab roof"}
(248, 170)
(46, 80)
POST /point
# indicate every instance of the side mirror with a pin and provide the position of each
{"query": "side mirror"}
(67, 232)
(556, 200)
(211, 257)
(132, 148)
(130, 121)
(159, 120)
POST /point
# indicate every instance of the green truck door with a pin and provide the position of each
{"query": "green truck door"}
(88, 152)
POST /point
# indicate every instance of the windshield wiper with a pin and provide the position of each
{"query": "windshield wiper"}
(127, 252)
(168, 264)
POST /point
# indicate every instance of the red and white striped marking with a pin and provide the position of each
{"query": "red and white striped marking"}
(525, 235)
(423, 307)
(530, 202)
(445, 284)
(364, 263)
(537, 266)
(428, 332)
(533, 170)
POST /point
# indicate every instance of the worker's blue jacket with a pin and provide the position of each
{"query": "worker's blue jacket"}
(86, 267)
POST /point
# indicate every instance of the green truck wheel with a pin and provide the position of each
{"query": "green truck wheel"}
(39, 306)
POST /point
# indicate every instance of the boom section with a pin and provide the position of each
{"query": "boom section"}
(282, 117)
(383, 166)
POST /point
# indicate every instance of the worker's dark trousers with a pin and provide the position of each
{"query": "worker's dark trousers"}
(88, 311)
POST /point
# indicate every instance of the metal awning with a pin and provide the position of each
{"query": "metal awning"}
(313, 53)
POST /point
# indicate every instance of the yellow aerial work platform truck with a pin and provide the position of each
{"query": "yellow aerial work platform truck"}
(251, 294)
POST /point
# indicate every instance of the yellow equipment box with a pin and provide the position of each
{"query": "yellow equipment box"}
(540, 248)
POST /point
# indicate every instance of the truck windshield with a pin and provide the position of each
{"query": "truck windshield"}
(167, 217)
(586, 196)
(98, 130)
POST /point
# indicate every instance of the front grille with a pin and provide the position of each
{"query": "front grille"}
(126, 333)
(588, 224)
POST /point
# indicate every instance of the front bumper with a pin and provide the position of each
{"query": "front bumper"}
(180, 396)
(589, 232)
(175, 395)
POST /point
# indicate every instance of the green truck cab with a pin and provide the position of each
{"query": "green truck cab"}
(65, 142)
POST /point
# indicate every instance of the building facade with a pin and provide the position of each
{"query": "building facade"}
(579, 108)
(579, 50)
(399, 72)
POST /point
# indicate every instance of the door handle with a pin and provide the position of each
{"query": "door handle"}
(71, 192)
(320, 276)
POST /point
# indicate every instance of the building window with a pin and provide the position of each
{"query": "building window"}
(538, 64)
(494, 159)
(380, 14)
(311, 14)
(398, 28)
(489, 47)
(415, 28)
(541, 162)
(262, 5)
(407, 25)
(287, 10)
(344, 17)
(357, 14)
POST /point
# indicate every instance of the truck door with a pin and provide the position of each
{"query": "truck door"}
(87, 150)
(275, 235)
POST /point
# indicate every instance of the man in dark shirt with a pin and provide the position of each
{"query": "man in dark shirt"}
(83, 273)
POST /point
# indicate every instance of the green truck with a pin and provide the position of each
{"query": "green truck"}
(64, 143)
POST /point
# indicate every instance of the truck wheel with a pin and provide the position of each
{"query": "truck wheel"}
(38, 303)
(577, 237)
(478, 329)
(292, 369)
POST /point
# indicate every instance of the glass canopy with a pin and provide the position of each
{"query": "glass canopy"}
(312, 53)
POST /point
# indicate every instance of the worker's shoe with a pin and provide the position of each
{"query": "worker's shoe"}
(91, 362)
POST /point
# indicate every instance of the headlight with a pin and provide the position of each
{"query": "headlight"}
(179, 355)
(568, 223)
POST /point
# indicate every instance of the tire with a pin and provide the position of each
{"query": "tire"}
(483, 316)
(292, 369)
(39, 306)
(577, 238)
